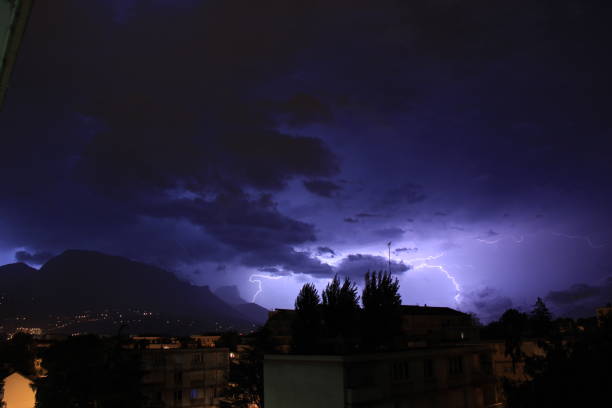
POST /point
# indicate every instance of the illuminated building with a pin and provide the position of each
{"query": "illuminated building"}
(18, 392)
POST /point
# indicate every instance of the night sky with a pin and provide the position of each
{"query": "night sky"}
(293, 140)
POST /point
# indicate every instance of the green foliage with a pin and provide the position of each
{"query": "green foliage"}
(87, 371)
(306, 327)
(381, 310)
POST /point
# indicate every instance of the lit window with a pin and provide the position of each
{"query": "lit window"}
(194, 393)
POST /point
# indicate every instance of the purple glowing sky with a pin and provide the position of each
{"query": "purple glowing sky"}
(223, 139)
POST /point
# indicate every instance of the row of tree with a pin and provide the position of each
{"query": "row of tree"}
(335, 322)
(574, 366)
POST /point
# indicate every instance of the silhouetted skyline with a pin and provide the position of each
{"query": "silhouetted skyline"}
(231, 142)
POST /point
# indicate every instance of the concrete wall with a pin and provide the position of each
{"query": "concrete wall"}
(298, 383)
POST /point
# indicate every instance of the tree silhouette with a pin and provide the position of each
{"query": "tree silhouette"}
(17, 354)
(306, 326)
(340, 312)
(381, 310)
(245, 386)
(514, 326)
(87, 371)
(540, 320)
(574, 372)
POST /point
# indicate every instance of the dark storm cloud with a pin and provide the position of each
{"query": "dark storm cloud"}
(356, 265)
(390, 233)
(407, 194)
(299, 262)
(581, 300)
(160, 136)
(237, 220)
(305, 109)
(139, 142)
(325, 251)
(405, 250)
(323, 188)
(270, 269)
(35, 258)
(576, 293)
(366, 215)
(488, 303)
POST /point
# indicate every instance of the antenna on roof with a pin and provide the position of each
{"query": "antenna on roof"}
(389, 245)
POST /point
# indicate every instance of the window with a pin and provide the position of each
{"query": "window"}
(158, 360)
(194, 393)
(178, 395)
(178, 377)
(428, 368)
(197, 359)
(486, 366)
(400, 371)
(455, 365)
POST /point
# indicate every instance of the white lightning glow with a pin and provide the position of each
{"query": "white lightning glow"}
(517, 239)
(258, 282)
(584, 238)
(488, 241)
(420, 263)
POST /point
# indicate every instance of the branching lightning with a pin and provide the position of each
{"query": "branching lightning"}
(258, 282)
(420, 263)
(584, 238)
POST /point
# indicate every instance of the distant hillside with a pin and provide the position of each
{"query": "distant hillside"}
(254, 312)
(230, 294)
(77, 281)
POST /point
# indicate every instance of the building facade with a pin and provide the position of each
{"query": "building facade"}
(445, 377)
(184, 377)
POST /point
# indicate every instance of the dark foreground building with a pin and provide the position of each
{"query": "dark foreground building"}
(438, 363)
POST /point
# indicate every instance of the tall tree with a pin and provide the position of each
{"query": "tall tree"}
(341, 311)
(540, 320)
(306, 327)
(381, 310)
(514, 326)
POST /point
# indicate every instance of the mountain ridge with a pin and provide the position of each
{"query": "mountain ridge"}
(80, 280)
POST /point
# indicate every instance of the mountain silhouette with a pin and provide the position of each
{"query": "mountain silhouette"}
(79, 280)
(231, 295)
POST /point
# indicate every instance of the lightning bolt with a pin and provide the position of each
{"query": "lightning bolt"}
(258, 282)
(420, 263)
(584, 238)
(516, 239)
